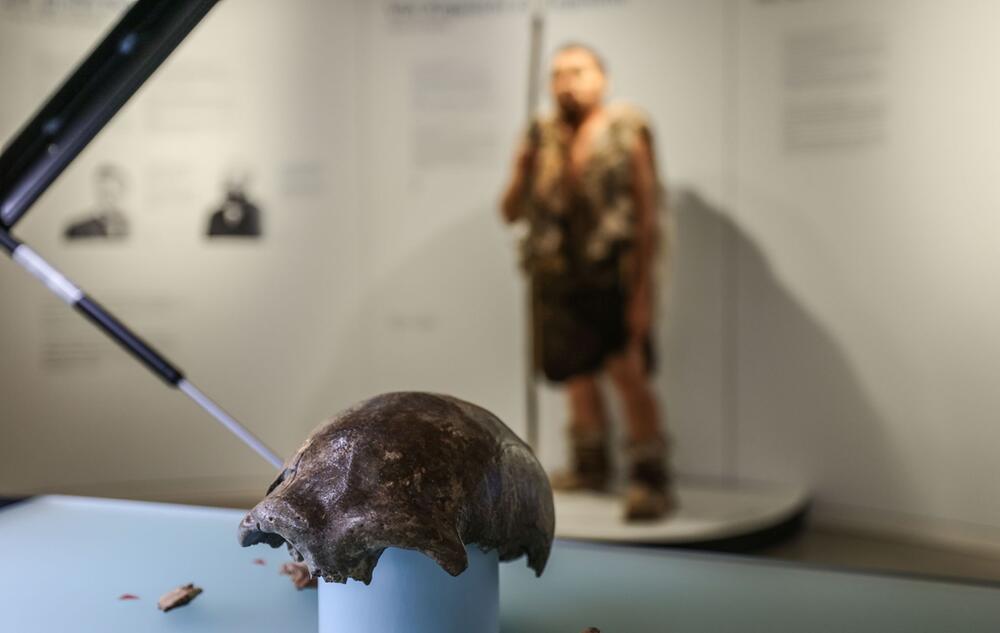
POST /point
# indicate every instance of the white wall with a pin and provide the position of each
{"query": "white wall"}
(416, 275)
(267, 328)
(867, 363)
(829, 317)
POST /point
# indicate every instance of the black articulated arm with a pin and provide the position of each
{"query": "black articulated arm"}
(145, 36)
(66, 290)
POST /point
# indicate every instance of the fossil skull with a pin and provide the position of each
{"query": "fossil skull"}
(411, 470)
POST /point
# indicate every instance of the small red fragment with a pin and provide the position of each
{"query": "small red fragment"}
(259, 561)
(128, 596)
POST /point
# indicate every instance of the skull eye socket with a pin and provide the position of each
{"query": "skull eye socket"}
(281, 478)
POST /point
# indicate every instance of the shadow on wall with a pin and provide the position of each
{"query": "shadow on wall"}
(793, 408)
(691, 338)
(447, 316)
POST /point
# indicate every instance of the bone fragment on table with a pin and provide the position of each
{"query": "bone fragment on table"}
(178, 597)
(299, 573)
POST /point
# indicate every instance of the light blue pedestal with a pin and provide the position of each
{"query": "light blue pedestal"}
(410, 592)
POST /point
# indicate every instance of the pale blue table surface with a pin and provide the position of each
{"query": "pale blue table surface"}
(65, 561)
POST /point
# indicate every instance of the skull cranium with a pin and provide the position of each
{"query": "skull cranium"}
(410, 470)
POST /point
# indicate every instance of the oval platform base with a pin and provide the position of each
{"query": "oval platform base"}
(722, 516)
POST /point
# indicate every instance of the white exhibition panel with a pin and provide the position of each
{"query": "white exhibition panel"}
(265, 326)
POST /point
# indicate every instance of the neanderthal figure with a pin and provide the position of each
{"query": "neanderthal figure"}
(585, 182)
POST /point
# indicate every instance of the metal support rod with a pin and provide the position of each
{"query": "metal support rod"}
(71, 294)
(532, 333)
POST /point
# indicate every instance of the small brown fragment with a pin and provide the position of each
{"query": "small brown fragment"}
(299, 573)
(178, 597)
(128, 596)
(259, 561)
(592, 629)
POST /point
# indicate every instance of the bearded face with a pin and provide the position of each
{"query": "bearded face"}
(578, 83)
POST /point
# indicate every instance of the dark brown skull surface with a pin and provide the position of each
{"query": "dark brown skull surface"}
(416, 471)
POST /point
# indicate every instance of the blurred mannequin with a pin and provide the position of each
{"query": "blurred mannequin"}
(107, 219)
(585, 182)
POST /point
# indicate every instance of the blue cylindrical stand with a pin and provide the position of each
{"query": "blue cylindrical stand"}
(410, 592)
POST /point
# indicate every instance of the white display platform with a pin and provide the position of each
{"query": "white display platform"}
(708, 513)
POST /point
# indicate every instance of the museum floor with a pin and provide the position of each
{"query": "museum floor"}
(828, 547)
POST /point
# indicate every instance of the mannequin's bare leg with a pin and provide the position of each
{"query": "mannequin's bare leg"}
(628, 373)
(588, 425)
(649, 495)
(586, 405)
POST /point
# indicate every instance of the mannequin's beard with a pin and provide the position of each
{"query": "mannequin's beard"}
(572, 113)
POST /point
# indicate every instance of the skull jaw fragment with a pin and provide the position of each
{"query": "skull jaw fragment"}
(411, 470)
